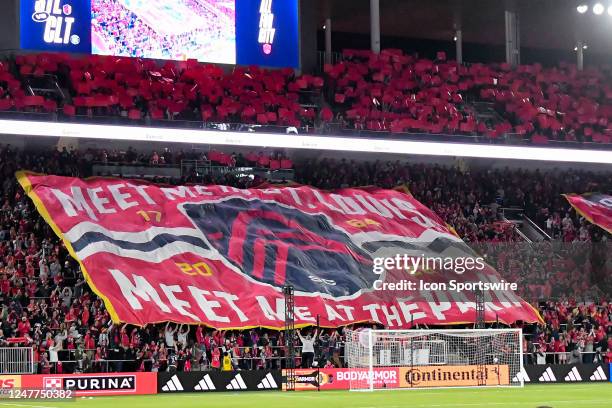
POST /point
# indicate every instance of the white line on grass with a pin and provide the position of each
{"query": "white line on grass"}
(480, 404)
(11, 404)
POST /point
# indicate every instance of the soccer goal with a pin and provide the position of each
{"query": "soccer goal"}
(383, 359)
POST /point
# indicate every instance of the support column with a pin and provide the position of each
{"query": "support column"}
(580, 55)
(375, 25)
(459, 46)
(513, 40)
(328, 41)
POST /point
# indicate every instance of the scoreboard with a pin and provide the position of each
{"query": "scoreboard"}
(246, 32)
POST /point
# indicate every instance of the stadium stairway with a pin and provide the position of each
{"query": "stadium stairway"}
(525, 226)
(485, 112)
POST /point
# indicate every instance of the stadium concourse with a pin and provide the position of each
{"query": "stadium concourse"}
(47, 305)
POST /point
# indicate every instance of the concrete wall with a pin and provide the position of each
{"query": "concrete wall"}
(9, 25)
(308, 35)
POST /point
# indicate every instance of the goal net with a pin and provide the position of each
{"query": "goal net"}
(380, 359)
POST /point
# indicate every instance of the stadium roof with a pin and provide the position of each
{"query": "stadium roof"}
(545, 24)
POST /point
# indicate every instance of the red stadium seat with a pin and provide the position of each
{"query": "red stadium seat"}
(5, 104)
(134, 114)
(262, 119)
(50, 105)
(327, 115)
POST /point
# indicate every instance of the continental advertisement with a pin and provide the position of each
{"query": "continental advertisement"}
(453, 376)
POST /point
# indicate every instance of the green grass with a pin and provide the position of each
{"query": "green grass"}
(532, 396)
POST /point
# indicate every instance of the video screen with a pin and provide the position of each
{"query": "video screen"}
(245, 32)
(179, 29)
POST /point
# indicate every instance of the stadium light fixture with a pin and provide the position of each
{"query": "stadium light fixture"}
(598, 9)
(584, 47)
(610, 11)
(282, 141)
(583, 8)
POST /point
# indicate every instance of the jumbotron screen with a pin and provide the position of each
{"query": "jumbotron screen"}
(246, 32)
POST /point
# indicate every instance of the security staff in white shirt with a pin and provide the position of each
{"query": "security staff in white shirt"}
(307, 348)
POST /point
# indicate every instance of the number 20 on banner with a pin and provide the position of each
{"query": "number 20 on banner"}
(200, 268)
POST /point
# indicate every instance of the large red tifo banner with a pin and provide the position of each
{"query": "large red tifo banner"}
(595, 207)
(220, 256)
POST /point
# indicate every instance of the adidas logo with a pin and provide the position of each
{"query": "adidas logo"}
(547, 376)
(521, 376)
(237, 383)
(267, 383)
(172, 385)
(205, 384)
(598, 375)
(573, 375)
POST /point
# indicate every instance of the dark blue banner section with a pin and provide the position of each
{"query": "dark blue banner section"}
(219, 381)
(56, 25)
(267, 33)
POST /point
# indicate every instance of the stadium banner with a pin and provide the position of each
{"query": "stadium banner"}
(312, 379)
(564, 373)
(248, 32)
(219, 381)
(10, 381)
(221, 256)
(97, 384)
(454, 376)
(595, 207)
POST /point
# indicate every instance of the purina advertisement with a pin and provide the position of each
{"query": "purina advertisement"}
(85, 385)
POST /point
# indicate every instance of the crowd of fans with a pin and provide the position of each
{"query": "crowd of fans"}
(573, 334)
(104, 88)
(47, 304)
(392, 91)
(389, 92)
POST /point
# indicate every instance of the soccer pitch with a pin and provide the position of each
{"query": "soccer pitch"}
(532, 396)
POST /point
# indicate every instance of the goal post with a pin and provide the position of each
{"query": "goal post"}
(384, 359)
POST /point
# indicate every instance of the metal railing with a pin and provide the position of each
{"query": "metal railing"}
(16, 360)
(563, 357)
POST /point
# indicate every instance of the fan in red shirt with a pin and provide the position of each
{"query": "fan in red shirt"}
(124, 337)
(199, 335)
(215, 361)
(135, 338)
(89, 341)
(24, 326)
(85, 316)
(5, 285)
(70, 316)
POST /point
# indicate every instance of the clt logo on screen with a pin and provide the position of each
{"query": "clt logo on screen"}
(266, 26)
(58, 26)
